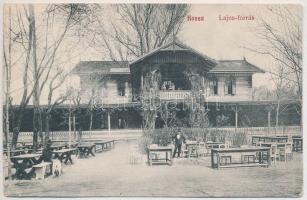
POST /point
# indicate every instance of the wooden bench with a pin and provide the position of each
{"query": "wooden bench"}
(40, 169)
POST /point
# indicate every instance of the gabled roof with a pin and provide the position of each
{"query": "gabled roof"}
(174, 45)
(106, 67)
(235, 66)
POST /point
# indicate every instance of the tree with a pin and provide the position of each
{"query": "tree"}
(99, 81)
(140, 29)
(281, 39)
(40, 43)
(8, 73)
(198, 114)
(56, 82)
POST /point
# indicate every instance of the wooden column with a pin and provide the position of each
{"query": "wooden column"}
(236, 119)
(74, 124)
(142, 81)
(269, 108)
(69, 122)
(236, 109)
(109, 123)
(269, 120)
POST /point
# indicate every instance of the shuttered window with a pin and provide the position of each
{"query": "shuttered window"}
(230, 86)
(121, 88)
(213, 85)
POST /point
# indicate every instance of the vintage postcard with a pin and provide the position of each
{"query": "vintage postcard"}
(152, 100)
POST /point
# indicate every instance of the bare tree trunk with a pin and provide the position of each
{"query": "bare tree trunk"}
(37, 113)
(7, 100)
(47, 129)
(91, 122)
(277, 115)
(74, 125)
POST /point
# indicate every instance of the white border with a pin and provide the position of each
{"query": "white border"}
(162, 1)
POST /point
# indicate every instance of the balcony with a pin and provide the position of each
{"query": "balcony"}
(173, 94)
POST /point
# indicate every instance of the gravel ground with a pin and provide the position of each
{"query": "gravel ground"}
(111, 174)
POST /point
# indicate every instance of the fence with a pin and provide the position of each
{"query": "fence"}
(135, 133)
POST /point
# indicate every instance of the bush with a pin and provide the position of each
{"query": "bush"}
(144, 142)
(203, 134)
(162, 137)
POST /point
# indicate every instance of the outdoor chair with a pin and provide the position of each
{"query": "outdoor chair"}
(285, 153)
(281, 155)
(273, 152)
(288, 151)
(201, 150)
(184, 151)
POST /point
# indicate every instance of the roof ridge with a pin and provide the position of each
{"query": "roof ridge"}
(174, 41)
(104, 61)
(229, 60)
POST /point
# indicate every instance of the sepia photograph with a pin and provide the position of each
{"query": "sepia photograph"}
(152, 100)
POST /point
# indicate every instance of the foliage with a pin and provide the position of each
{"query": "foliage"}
(203, 134)
(161, 137)
(198, 114)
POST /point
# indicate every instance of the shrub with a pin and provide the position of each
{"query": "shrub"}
(162, 137)
(203, 134)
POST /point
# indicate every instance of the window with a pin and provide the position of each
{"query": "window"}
(230, 86)
(213, 84)
(121, 88)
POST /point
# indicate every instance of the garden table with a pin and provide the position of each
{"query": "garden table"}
(57, 146)
(240, 157)
(86, 149)
(64, 155)
(16, 152)
(164, 149)
(278, 139)
(23, 162)
(106, 144)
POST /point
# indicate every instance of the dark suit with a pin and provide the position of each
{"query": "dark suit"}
(178, 139)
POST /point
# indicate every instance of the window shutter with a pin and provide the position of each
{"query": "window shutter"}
(226, 86)
(217, 86)
(234, 86)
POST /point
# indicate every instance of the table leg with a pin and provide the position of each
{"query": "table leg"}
(149, 158)
(81, 152)
(69, 157)
(62, 157)
(171, 158)
(91, 151)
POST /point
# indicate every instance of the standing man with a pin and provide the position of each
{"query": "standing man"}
(178, 140)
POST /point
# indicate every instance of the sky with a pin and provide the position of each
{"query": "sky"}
(213, 37)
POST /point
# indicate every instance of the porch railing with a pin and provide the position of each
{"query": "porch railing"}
(174, 94)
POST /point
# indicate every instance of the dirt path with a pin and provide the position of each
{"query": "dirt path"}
(110, 174)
